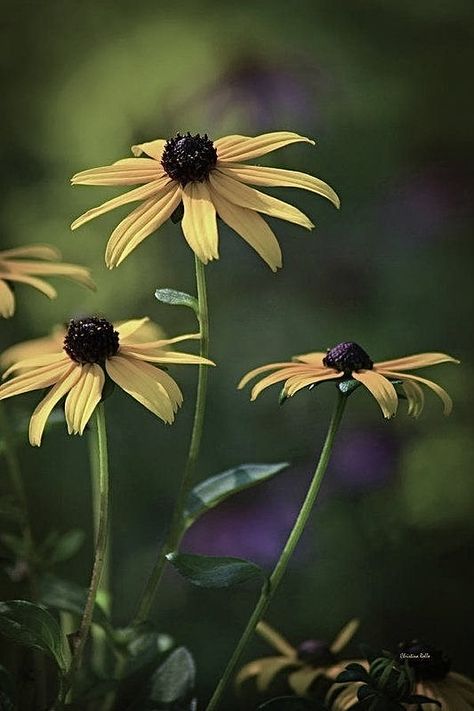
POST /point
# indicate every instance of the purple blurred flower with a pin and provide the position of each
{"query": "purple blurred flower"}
(364, 459)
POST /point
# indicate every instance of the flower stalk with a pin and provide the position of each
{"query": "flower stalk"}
(270, 588)
(177, 528)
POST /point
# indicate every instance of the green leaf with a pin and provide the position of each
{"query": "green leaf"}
(177, 298)
(67, 545)
(212, 491)
(68, 597)
(32, 626)
(214, 571)
(175, 679)
(348, 386)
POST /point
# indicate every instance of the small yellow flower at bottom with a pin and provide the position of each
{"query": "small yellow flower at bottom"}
(42, 260)
(92, 348)
(349, 360)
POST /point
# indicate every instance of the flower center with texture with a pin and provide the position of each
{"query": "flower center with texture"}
(347, 357)
(428, 663)
(91, 340)
(315, 653)
(189, 158)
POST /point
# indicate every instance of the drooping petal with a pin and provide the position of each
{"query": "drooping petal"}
(252, 228)
(262, 369)
(159, 356)
(295, 384)
(33, 347)
(199, 223)
(160, 344)
(171, 387)
(152, 148)
(240, 194)
(271, 666)
(344, 636)
(301, 680)
(415, 398)
(45, 407)
(34, 251)
(34, 380)
(38, 361)
(38, 284)
(128, 171)
(420, 360)
(139, 380)
(277, 177)
(274, 378)
(241, 148)
(75, 272)
(7, 300)
(84, 397)
(144, 220)
(381, 388)
(440, 392)
(315, 358)
(152, 189)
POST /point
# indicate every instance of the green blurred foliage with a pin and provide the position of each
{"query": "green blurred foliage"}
(384, 87)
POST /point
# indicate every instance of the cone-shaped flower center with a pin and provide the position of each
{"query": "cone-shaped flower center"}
(91, 340)
(428, 663)
(347, 357)
(189, 158)
(315, 653)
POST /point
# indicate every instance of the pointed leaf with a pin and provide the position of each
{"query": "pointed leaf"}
(32, 626)
(214, 571)
(68, 597)
(212, 491)
(175, 678)
(67, 546)
(177, 298)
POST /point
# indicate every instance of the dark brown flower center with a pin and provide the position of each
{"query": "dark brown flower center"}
(428, 663)
(315, 653)
(189, 158)
(347, 357)
(91, 340)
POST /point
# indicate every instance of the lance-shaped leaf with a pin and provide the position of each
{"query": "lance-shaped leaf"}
(212, 491)
(174, 679)
(68, 597)
(214, 571)
(177, 298)
(32, 626)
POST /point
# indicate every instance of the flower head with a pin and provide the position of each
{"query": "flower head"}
(313, 662)
(208, 178)
(92, 349)
(25, 264)
(349, 360)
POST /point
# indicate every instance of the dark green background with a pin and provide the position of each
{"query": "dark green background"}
(385, 89)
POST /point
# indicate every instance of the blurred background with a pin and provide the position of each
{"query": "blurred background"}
(383, 88)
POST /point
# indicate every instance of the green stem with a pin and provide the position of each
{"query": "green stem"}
(101, 542)
(270, 588)
(176, 530)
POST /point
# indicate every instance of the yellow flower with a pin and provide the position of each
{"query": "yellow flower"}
(349, 360)
(209, 179)
(93, 348)
(312, 661)
(15, 268)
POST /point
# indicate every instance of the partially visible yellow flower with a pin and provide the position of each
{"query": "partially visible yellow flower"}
(92, 348)
(209, 179)
(349, 360)
(25, 264)
(312, 660)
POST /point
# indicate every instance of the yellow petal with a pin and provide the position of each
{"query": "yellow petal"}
(38, 361)
(422, 360)
(45, 407)
(277, 177)
(313, 358)
(274, 378)
(147, 331)
(62, 269)
(171, 386)
(33, 347)
(34, 251)
(415, 398)
(262, 369)
(38, 284)
(152, 148)
(7, 300)
(295, 384)
(84, 397)
(199, 223)
(128, 328)
(130, 171)
(344, 636)
(276, 640)
(40, 378)
(440, 392)
(252, 228)
(159, 344)
(240, 148)
(381, 388)
(139, 380)
(152, 189)
(300, 681)
(140, 224)
(270, 667)
(240, 194)
(158, 356)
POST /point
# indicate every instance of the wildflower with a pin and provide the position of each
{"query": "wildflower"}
(349, 360)
(41, 260)
(312, 662)
(208, 178)
(92, 348)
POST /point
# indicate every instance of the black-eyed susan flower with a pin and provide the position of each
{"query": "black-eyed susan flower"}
(208, 178)
(25, 264)
(349, 360)
(92, 348)
(295, 669)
